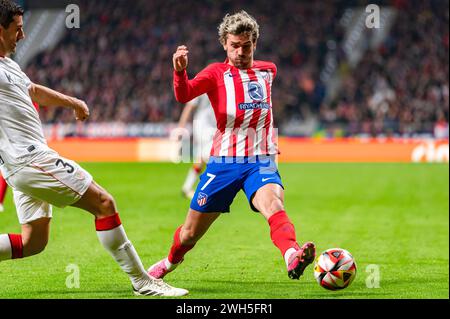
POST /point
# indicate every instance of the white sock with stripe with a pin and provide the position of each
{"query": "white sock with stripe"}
(112, 236)
(5, 247)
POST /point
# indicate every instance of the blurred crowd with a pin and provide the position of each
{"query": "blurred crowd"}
(119, 62)
(402, 87)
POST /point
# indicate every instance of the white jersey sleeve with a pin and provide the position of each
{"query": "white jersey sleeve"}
(204, 127)
(204, 113)
(21, 134)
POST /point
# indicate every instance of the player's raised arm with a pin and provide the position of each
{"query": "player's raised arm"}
(185, 89)
(180, 58)
(48, 97)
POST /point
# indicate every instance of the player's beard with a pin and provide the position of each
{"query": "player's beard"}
(242, 63)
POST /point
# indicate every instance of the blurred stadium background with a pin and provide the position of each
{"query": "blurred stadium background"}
(380, 93)
(344, 93)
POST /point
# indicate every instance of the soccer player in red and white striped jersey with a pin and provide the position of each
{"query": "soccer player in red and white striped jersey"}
(244, 146)
(241, 100)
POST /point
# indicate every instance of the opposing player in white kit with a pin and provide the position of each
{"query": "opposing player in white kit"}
(40, 177)
(203, 129)
(3, 184)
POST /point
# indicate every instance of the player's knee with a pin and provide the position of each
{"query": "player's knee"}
(107, 205)
(276, 205)
(269, 205)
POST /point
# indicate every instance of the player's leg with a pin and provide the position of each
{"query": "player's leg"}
(35, 236)
(113, 238)
(215, 192)
(3, 188)
(34, 216)
(269, 200)
(202, 147)
(97, 201)
(184, 239)
(191, 178)
(32, 240)
(194, 227)
(265, 193)
(62, 182)
(111, 233)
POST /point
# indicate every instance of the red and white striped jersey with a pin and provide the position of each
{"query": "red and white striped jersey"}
(242, 103)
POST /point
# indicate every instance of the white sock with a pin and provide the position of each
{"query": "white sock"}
(5, 247)
(288, 254)
(121, 249)
(191, 178)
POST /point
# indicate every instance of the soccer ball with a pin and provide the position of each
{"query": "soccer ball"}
(335, 269)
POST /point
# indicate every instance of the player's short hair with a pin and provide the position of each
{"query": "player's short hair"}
(8, 10)
(236, 24)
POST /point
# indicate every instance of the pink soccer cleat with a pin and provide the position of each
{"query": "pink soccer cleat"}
(159, 270)
(300, 259)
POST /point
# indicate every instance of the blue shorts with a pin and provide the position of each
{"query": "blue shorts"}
(225, 176)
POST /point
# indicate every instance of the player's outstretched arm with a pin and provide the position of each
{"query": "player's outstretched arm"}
(48, 97)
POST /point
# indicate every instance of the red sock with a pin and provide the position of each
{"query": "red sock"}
(197, 168)
(282, 232)
(177, 251)
(3, 188)
(107, 223)
(16, 246)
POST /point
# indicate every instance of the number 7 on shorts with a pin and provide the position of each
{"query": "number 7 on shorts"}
(211, 177)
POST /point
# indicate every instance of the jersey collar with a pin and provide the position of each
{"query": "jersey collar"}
(227, 60)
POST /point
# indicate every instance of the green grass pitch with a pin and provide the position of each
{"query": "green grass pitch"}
(394, 216)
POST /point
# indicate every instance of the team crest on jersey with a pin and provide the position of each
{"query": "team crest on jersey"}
(255, 91)
(202, 198)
